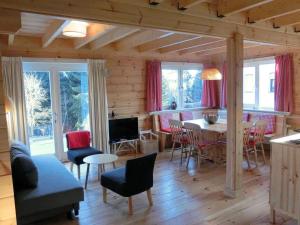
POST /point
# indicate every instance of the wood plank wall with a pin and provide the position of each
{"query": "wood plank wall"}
(296, 87)
(126, 89)
(7, 212)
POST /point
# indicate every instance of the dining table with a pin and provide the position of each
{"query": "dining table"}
(219, 127)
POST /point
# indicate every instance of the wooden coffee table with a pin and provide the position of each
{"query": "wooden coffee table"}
(100, 160)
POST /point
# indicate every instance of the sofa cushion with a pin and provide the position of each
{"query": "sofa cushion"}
(77, 156)
(164, 121)
(24, 171)
(17, 145)
(188, 115)
(56, 188)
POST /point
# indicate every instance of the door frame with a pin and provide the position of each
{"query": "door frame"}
(54, 67)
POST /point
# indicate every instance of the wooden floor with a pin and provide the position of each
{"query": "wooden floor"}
(180, 197)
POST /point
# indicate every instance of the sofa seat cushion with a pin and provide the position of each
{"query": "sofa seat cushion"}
(56, 188)
(77, 156)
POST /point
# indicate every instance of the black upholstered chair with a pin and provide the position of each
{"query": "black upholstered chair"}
(136, 177)
(78, 143)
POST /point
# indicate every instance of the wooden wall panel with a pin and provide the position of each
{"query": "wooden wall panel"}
(126, 89)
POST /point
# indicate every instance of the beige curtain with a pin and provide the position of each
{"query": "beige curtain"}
(14, 88)
(98, 104)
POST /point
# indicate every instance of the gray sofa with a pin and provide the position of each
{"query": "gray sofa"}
(56, 192)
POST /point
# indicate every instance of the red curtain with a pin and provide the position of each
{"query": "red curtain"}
(210, 93)
(224, 86)
(154, 86)
(284, 83)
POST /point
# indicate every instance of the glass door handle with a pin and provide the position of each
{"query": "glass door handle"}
(54, 117)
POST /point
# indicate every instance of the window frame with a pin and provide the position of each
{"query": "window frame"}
(256, 63)
(180, 67)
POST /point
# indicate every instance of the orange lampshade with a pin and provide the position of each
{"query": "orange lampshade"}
(211, 74)
(8, 103)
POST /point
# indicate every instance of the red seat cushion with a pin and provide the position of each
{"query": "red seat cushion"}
(164, 122)
(186, 116)
(78, 139)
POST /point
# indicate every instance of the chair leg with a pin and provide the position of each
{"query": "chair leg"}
(130, 205)
(181, 146)
(104, 194)
(263, 152)
(149, 196)
(188, 159)
(247, 158)
(78, 171)
(255, 154)
(173, 149)
(71, 167)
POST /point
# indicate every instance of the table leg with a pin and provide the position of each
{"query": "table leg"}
(87, 175)
(98, 172)
(114, 165)
(103, 168)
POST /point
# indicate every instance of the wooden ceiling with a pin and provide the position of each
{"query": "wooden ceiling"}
(44, 33)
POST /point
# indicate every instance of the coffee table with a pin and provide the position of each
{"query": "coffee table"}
(100, 160)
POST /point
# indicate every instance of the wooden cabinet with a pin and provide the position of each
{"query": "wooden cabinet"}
(285, 180)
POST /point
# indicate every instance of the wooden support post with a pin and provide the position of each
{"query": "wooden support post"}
(234, 115)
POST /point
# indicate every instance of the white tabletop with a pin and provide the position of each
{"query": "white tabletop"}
(100, 158)
(220, 126)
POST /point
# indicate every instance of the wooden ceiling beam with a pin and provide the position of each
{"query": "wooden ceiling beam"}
(150, 17)
(286, 20)
(212, 45)
(53, 31)
(94, 31)
(185, 4)
(165, 41)
(187, 44)
(229, 7)
(139, 38)
(10, 21)
(113, 35)
(272, 10)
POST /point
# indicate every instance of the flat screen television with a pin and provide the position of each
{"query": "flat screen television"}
(126, 128)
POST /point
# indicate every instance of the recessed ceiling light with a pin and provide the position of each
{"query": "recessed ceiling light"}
(75, 29)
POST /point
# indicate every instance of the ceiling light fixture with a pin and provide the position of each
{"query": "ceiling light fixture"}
(211, 74)
(75, 29)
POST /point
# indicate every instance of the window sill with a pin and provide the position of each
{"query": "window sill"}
(179, 110)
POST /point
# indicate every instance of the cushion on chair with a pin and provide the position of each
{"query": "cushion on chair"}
(76, 156)
(115, 180)
(78, 139)
(188, 115)
(164, 121)
(167, 130)
(25, 173)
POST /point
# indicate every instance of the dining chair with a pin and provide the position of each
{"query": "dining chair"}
(257, 140)
(178, 137)
(247, 126)
(198, 144)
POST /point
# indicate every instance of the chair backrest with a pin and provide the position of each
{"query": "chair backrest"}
(139, 171)
(164, 121)
(194, 134)
(176, 129)
(78, 139)
(247, 126)
(259, 131)
(187, 115)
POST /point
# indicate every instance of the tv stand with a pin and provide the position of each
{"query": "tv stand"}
(117, 146)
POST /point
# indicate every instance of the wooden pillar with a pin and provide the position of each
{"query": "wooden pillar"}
(234, 115)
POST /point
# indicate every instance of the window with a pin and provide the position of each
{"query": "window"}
(258, 84)
(181, 85)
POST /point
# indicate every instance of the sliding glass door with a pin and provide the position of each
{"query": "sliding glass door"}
(56, 102)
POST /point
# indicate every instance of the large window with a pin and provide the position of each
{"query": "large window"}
(181, 84)
(258, 84)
